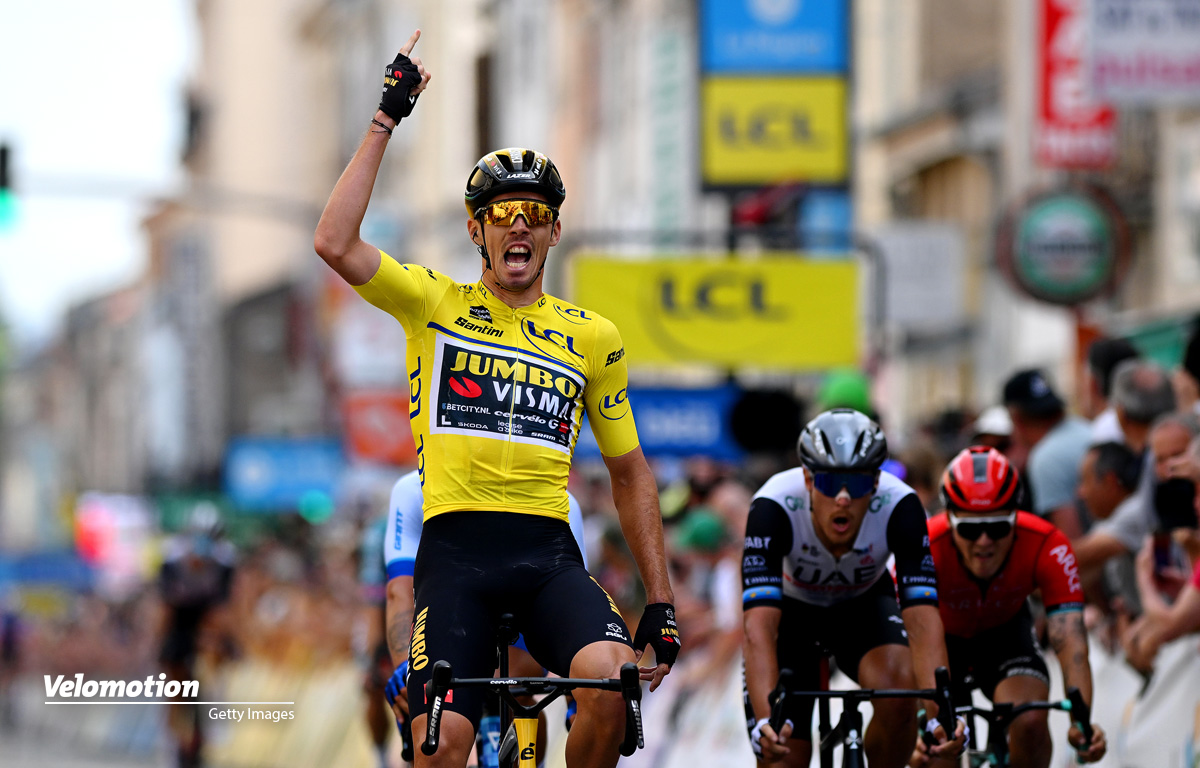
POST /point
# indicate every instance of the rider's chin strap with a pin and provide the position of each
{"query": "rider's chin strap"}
(482, 245)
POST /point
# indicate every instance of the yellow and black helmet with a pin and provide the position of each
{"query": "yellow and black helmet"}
(513, 169)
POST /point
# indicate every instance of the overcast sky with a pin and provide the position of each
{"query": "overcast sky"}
(90, 98)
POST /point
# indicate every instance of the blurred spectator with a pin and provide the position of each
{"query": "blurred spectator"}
(1187, 376)
(1135, 518)
(1107, 476)
(616, 571)
(922, 470)
(1162, 622)
(712, 611)
(194, 583)
(1141, 393)
(1056, 444)
(702, 474)
(993, 428)
(10, 652)
(1103, 356)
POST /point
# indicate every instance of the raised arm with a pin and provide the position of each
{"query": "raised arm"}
(337, 239)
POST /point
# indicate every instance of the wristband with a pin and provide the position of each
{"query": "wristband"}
(386, 130)
(756, 734)
(932, 725)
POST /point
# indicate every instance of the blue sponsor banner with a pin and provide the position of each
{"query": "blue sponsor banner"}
(774, 36)
(678, 423)
(274, 474)
(63, 569)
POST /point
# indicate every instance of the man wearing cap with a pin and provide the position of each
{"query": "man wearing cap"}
(1056, 444)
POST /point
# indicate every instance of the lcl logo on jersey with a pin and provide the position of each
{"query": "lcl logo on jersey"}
(573, 315)
(614, 407)
(721, 295)
(557, 338)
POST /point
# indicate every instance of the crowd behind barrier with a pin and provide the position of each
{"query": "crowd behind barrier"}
(292, 626)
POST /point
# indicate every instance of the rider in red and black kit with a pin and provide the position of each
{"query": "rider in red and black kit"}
(989, 558)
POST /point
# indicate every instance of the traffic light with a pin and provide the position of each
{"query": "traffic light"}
(8, 198)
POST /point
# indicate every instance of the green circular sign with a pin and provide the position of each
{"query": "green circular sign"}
(1064, 247)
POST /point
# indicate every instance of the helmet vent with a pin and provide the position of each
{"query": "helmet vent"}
(979, 466)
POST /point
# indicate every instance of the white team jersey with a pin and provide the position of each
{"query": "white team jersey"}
(810, 573)
(406, 517)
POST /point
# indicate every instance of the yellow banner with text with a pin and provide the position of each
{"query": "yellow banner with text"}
(780, 311)
(771, 130)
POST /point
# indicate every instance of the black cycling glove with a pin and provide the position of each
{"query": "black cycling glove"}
(399, 77)
(659, 630)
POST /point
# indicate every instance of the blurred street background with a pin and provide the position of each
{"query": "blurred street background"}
(785, 205)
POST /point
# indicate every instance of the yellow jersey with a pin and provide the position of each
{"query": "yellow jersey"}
(496, 393)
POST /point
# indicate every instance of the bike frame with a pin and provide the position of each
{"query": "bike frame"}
(849, 730)
(520, 741)
(1000, 716)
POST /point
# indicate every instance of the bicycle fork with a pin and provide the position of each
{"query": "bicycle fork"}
(519, 746)
(849, 732)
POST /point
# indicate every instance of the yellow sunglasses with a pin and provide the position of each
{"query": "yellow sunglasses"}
(504, 212)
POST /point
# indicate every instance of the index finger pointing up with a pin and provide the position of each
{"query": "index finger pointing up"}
(406, 49)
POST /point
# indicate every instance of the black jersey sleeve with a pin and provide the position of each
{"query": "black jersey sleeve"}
(908, 539)
(768, 540)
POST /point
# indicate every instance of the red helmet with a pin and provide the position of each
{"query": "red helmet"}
(980, 479)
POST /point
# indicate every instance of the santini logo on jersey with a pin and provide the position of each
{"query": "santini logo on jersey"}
(486, 330)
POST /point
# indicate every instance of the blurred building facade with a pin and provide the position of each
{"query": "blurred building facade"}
(238, 329)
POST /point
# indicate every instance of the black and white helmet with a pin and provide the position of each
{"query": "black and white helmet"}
(513, 170)
(842, 440)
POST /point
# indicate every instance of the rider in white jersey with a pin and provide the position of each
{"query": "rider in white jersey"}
(816, 583)
(813, 575)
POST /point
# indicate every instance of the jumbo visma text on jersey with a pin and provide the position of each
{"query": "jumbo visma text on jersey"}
(496, 392)
(486, 392)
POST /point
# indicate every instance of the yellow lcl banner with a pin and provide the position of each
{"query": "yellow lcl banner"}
(770, 130)
(778, 311)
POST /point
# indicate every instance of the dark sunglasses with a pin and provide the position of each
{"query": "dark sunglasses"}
(505, 212)
(856, 484)
(971, 528)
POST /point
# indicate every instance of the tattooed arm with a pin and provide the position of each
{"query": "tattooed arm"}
(1068, 637)
(398, 626)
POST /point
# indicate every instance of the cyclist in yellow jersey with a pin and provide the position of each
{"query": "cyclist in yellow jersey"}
(500, 377)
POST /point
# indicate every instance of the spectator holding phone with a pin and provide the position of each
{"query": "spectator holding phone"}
(1145, 403)
(1158, 577)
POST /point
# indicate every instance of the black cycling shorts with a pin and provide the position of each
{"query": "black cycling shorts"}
(472, 567)
(984, 660)
(846, 631)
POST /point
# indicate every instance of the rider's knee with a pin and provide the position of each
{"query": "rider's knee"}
(1030, 728)
(601, 659)
(606, 709)
(456, 741)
